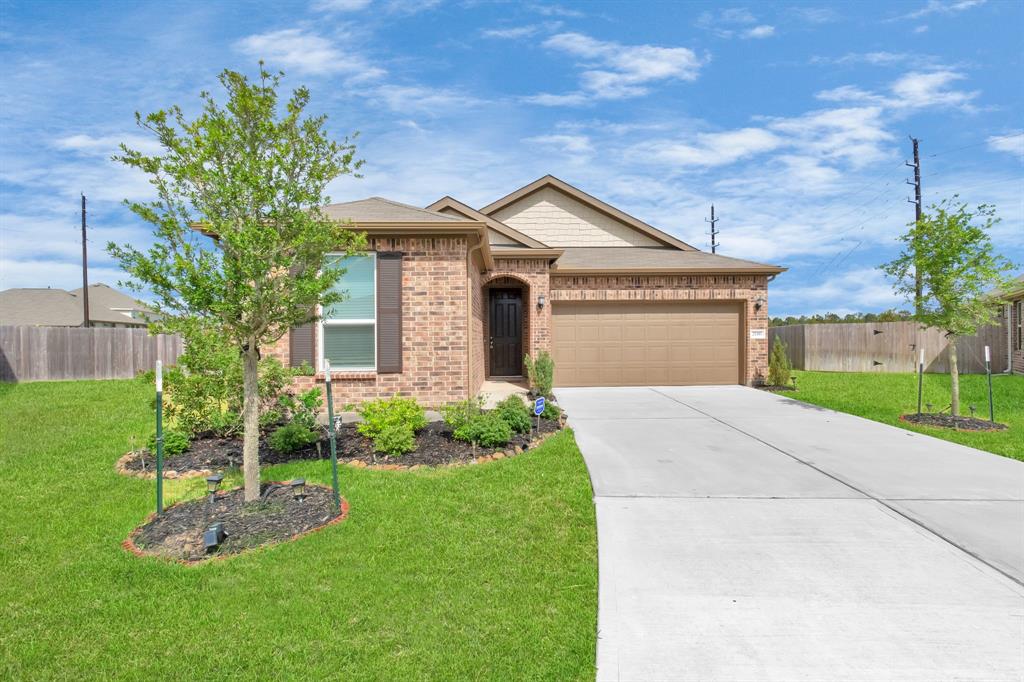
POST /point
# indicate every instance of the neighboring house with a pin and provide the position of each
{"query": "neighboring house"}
(1014, 317)
(448, 296)
(108, 307)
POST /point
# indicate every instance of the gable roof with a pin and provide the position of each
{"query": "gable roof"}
(60, 308)
(593, 202)
(649, 259)
(381, 210)
(473, 214)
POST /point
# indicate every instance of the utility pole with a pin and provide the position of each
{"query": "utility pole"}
(917, 219)
(85, 273)
(714, 232)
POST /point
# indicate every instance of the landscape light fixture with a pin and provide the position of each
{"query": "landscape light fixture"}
(212, 483)
(973, 409)
(213, 536)
(299, 488)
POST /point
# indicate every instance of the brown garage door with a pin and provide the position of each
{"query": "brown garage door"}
(634, 343)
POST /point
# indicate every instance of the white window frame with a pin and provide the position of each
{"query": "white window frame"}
(1019, 305)
(321, 360)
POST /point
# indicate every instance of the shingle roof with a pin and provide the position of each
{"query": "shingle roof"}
(380, 210)
(642, 258)
(59, 308)
(449, 204)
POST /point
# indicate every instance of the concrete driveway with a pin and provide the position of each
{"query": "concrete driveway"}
(746, 536)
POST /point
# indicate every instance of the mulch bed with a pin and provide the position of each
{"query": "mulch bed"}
(775, 389)
(435, 446)
(948, 421)
(178, 533)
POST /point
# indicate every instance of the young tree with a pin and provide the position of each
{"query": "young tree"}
(954, 256)
(252, 174)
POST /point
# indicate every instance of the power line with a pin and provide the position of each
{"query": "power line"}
(976, 144)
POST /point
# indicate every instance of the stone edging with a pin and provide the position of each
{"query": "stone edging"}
(130, 546)
(170, 474)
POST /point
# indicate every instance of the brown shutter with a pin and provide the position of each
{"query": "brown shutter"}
(302, 345)
(389, 313)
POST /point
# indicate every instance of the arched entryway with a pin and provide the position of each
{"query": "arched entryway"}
(506, 326)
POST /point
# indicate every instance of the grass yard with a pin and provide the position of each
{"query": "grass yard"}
(480, 572)
(884, 397)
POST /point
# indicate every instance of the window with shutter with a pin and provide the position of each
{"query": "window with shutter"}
(348, 330)
(389, 313)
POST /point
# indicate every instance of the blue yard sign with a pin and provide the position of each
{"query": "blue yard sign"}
(538, 406)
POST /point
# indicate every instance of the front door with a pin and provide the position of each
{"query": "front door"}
(506, 328)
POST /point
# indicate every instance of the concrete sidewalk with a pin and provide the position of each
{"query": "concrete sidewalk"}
(747, 536)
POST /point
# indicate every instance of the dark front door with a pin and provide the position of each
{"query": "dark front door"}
(506, 329)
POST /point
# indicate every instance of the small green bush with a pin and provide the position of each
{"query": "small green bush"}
(515, 413)
(487, 429)
(175, 442)
(458, 414)
(779, 369)
(551, 411)
(303, 408)
(393, 415)
(291, 437)
(270, 418)
(541, 373)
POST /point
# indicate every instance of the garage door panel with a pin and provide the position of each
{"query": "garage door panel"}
(636, 343)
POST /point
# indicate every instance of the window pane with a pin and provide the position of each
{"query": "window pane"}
(349, 345)
(357, 286)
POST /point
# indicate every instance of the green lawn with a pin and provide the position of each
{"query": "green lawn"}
(884, 397)
(481, 572)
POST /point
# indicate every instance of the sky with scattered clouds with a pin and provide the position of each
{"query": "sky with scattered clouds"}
(792, 118)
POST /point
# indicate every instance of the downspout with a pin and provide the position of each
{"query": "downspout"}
(469, 315)
(1008, 316)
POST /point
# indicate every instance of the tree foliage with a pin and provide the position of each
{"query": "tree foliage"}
(950, 249)
(252, 172)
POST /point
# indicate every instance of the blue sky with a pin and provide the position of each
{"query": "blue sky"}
(792, 118)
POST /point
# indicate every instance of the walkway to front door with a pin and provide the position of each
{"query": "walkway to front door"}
(506, 332)
(746, 536)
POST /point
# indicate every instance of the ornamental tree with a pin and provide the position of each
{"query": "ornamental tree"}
(951, 250)
(252, 174)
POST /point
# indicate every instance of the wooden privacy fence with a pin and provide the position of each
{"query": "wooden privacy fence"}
(54, 353)
(886, 347)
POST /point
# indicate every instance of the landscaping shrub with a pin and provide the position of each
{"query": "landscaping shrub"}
(175, 442)
(540, 372)
(303, 408)
(292, 437)
(487, 429)
(458, 414)
(515, 413)
(779, 369)
(551, 411)
(392, 424)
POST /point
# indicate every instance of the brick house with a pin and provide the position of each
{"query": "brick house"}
(1014, 317)
(448, 296)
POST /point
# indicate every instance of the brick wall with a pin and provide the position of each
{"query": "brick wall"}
(532, 275)
(1016, 343)
(744, 288)
(435, 325)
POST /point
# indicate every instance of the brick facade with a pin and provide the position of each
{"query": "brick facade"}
(1016, 337)
(435, 327)
(743, 288)
(530, 274)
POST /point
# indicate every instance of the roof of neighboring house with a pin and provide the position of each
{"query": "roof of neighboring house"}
(380, 210)
(60, 308)
(452, 204)
(629, 259)
(592, 202)
(1014, 291)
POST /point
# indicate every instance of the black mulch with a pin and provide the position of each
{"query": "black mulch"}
(434, 446)
(775, 389)
(178, 532)
(950, 422)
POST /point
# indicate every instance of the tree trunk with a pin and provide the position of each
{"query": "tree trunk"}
(954, 379)
(251, 422)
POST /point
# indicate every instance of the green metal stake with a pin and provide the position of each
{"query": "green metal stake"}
(159, 437)
(920, 381)
(330, 431)
(988, 370)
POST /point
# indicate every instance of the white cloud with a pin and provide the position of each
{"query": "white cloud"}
(555, 11)
(914, 90)
(409, 7)
(815, 15)
(859, 289)
(762, 31)
(943, 7)
(340, 5)
(306, 52)
(923, 28)
(853, 134)
(107, 145)
(424, 100)
(708, 150)
(880, 58)
(510, 33)
(547, 99)
(615, 71)
(568, 144)
(1011, 143)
